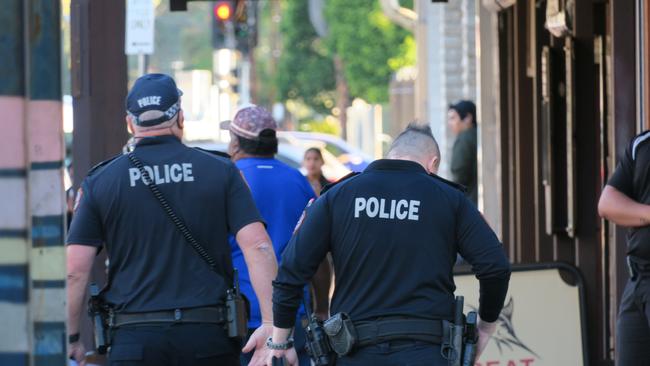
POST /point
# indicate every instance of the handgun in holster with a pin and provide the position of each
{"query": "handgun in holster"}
(98, 312)
(317, 344)
(236, 310)
(470, 339)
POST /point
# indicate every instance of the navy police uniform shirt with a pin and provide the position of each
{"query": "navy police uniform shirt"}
(632, 178)
(394, 232)
(151, 266)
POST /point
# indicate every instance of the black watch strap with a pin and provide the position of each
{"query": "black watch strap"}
(72, 338)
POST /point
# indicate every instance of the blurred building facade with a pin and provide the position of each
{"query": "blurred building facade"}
(445, 35)
(563, 87)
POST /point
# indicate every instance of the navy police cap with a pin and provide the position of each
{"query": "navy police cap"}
(153, 92)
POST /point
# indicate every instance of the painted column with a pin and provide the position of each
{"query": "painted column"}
(31, 186)
(45, 152)
(15, 330)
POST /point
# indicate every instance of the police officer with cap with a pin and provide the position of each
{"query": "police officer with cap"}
(393, 232)
(166, 301)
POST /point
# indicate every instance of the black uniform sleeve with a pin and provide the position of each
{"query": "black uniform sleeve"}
(300, 260)
(478, 244)
(86, 227)
(240, 206)
(623, 176)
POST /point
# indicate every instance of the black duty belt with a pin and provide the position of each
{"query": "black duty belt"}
(378, 331)
(213, 315)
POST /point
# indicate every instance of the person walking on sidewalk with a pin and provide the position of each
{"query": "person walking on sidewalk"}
(461, 118)
(166, 304)
(280, 193)
(393, 231)
(625, 200)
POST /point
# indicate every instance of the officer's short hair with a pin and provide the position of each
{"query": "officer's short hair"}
(266, 144)
(145, 116)
(416, 140)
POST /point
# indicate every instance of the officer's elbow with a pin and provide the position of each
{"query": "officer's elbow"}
(605, 205)
(79, 261)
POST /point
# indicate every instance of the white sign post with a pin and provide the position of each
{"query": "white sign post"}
(139, 27)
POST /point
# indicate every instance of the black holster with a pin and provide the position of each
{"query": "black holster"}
(237, 315)
(99, 313)
(317, 343)
(341, 333)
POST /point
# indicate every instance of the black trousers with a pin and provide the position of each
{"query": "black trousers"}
(633, 324)
(396, 353)
(173, 345)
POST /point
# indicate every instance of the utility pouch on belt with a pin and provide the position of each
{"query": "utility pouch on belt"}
(341, 333)
(237, 319)
(98, 312)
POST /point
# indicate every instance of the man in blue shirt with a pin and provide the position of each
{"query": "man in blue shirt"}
(280, 192)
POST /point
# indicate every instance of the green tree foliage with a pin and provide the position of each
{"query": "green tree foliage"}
(370, 46)
(182, 36)
(305, 69)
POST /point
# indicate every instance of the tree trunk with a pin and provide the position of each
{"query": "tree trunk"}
(343, 95)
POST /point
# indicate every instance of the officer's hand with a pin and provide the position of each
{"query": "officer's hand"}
(257, 342)
(485, 331)
(77, 352)
(289, 356)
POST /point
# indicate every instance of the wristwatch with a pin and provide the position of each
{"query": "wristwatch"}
(279, 346)
(73, 338)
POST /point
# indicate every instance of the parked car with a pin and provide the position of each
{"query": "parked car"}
(352, 157)
(289, 154)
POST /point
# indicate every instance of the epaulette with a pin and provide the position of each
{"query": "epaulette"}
(459, 187)
(637, 141)
(102, 164)
(330, 185)
(214, 152)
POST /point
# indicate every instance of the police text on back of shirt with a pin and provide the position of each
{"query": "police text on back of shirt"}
(383, 209)
(167, 173)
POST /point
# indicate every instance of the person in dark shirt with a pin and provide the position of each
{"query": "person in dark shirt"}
(625, 200)
(393, 232)
(167, 303)
(461, 118)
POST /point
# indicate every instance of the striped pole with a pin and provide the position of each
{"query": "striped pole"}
(45, 149)
(15, 331)
(32, 265)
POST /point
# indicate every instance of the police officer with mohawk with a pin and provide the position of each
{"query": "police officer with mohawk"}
(394, 232)
(163, 214)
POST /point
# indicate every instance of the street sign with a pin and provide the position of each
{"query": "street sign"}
(139, 27)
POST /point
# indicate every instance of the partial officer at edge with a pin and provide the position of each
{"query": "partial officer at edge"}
(625, 200)
(167, 305)
(394, 232)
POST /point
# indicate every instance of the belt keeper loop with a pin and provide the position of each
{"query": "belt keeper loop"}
(178, 315)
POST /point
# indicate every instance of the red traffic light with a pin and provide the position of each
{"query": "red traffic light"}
(223, 11)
